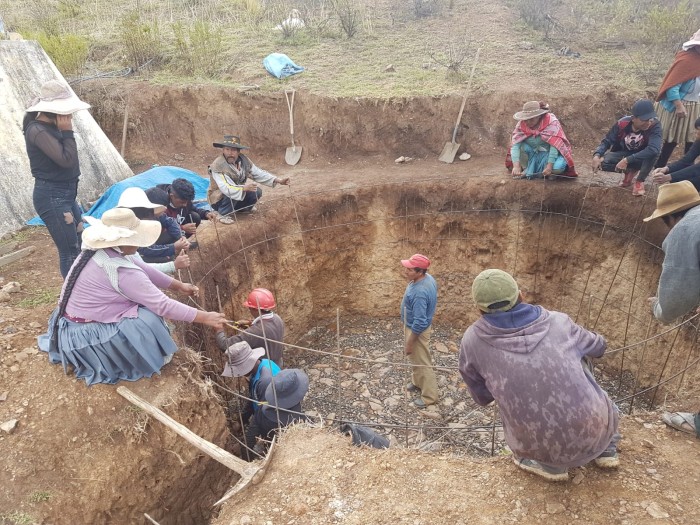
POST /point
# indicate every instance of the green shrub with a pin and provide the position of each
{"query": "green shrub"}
(141, 40)
(69, 52)
(199, 49)
(668, 26)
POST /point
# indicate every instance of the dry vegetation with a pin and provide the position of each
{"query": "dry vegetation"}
(347, 44)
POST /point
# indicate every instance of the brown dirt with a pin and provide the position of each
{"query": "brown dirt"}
(317, 477)
(348, 232)
(332, 242)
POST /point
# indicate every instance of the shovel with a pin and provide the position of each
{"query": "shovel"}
(451, 148)
(293, 154)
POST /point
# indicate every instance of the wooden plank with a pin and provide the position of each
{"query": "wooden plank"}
(15, 256)
(7, 248)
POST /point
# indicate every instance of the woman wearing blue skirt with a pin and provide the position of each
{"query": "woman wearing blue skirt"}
(109, 323)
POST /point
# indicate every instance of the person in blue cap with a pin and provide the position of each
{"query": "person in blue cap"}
(631, 146)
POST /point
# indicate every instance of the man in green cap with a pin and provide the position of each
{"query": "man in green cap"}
(234, 179)
(528, 359)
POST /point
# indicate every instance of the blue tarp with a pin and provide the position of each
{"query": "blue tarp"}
(145, 180)
(281, 66)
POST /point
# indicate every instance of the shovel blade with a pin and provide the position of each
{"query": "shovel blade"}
(292, 155)
(449, 152)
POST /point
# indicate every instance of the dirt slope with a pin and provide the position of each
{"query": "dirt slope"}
(317, 477)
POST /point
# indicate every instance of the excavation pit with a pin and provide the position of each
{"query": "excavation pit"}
(332, 260)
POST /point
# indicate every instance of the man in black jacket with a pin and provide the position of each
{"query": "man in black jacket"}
(634, 142)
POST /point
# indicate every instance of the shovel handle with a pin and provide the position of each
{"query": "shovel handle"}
(464, 97)
(290, 105)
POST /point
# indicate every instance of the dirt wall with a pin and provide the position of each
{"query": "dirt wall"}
(185, 120)
(572, 248)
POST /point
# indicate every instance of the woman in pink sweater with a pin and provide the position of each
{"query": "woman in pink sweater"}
(108, 324)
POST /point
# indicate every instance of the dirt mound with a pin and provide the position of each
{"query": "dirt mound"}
(317, 477)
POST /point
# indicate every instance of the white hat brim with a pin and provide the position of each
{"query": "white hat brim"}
(64, 106)
(147, 233)
(137, 199)
(690, 43)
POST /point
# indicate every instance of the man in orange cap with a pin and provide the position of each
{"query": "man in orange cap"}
(265, 331)
(417, 310)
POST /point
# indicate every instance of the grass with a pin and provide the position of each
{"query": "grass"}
(17, 518)
(39, 496)
(20, 237)
(335, 65)
(40, 298)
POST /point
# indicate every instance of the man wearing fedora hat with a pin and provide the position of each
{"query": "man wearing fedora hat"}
(679, 283)
(634, 144)
(417, 310)
(527, 359)
(283, 395)
(233, 178)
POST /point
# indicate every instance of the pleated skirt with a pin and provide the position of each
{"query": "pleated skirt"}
(107, 353)
(678, 130)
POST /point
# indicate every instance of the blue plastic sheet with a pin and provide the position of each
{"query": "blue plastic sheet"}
(145, 180)
(281, 66)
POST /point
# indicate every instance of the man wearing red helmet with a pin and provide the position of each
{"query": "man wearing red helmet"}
(265, 331)
(417, 310)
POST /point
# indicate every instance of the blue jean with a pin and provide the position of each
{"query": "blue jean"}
(226, 206)
(56, 205)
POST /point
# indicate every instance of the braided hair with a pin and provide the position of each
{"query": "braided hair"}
(72, 277)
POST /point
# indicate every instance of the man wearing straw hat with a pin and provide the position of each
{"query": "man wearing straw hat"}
(233, 178)
(528, 359)
(679, 284)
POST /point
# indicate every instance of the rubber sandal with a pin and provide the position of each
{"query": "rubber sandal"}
(683, 421)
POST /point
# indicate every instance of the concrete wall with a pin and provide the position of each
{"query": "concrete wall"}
(24, 67)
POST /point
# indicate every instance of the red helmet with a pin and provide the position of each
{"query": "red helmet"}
(260, 298)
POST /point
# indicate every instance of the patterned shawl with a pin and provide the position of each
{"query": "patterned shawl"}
(550, 130)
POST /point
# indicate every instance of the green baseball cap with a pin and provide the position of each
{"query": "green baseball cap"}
(492, 287)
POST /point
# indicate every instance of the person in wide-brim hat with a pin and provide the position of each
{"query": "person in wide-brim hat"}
(674, 198)
(539, 147)
(241, 359)
(234, 181)
(55, 165)
(56, 97)
(108, 325)
(678, 205)
(287, 389)
(119, 227)
(230, 141)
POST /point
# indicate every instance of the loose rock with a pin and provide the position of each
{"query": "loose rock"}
(655, 511)
(9, 426)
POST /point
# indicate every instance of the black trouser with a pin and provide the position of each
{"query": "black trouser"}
(613, 157)
(667, 151)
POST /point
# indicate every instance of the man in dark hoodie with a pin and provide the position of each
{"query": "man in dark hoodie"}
(528, 360)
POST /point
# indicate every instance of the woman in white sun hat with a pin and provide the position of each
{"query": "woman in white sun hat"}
(108, 325)
(53, 158)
